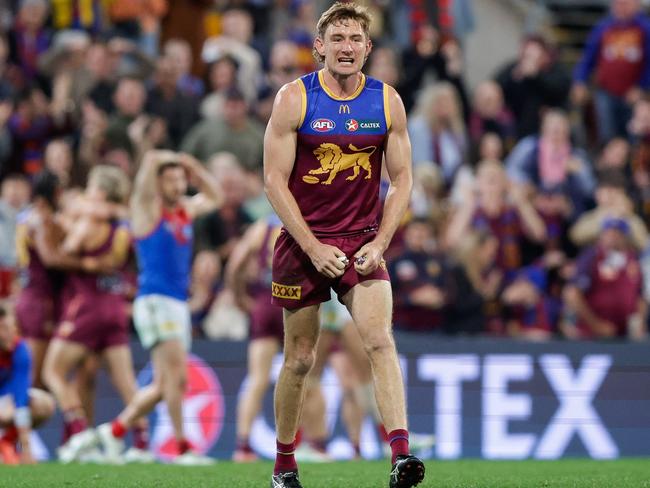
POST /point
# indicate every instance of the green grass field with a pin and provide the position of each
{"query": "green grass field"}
(630, 473)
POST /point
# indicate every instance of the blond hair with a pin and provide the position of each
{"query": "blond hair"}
(430, 96)
(338, 12)
(112, 180)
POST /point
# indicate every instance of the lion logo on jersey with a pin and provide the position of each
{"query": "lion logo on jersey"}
(332, 160)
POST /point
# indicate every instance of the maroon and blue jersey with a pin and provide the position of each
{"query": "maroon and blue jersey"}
(165, 256)
(611, 283)
(337, 170)
(15, 373)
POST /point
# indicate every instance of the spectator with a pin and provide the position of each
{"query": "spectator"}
(166, 101)
(615, 155)
(490, 205)
(179, 52)
(237, 33)
(551, 159)
(529, 313)
(383, 65)
(33, 123)
(617, 53)
(283, 68)
(138, 21)
(489, 115)
(612, 201)
(129, 100)
(29, 38)
(235, 132)
(420, 280)
(222, 76)
(431, 53)
(639, 129)
(59, 161)
(476, 283)
(605, 294)
(437, 130)
(531, 83)
(14, 196)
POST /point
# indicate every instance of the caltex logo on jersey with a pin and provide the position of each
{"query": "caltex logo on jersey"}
(323, 125)
(203, 411)
(351, 125)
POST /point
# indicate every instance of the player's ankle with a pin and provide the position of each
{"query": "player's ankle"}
(285, 460)
(399, 443)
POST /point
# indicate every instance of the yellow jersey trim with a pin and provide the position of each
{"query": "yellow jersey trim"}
(303, 102)
(356, 93)
(386, 107)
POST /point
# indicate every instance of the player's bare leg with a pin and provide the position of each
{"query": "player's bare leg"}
(371, 303)
(61, 359)
(38, 348)
(120, 367)
(313, 420)
(85, 380)
(351, 410)
(260, 358)
(300, 335)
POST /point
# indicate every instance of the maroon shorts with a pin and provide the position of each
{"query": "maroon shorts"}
(35, 314)
(297, 284)
(95, 321)
(266, 319)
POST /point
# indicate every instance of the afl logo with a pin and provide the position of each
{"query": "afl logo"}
(203, 411)
(351, 125)
(323, 125)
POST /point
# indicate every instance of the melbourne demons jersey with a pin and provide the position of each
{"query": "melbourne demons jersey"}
(337, 171)
(164, 257)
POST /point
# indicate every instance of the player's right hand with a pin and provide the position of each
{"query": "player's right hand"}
(325, 259)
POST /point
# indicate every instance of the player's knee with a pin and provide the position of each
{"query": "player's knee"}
(378, 344)
(300, 363)
(43, 407)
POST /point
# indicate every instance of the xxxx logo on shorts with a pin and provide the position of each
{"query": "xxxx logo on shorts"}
(285, 291)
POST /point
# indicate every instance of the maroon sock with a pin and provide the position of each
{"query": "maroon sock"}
(118, 429)
(66, 433)
(319, 445)
(399, 443)
(75, 421)
(140, 438)
(382, 432)
(10, 435)
(244, 445)
(357, 449)
(183, 446)
(285, 460)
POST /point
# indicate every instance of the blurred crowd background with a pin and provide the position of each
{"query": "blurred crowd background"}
(531, 195)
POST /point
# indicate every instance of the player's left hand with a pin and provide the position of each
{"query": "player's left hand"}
(368, 258)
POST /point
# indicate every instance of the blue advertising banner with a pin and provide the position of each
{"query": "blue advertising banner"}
(495, 399)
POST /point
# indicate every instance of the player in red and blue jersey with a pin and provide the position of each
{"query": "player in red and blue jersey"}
(161, 222)
(21, 407)
(323, 151)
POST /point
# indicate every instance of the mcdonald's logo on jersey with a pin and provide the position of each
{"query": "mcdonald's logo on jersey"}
(344, 108)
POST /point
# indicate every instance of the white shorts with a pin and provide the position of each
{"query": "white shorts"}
(334, 315)
(160, 318)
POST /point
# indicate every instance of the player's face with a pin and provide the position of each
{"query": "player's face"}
(345, 47)
(173, 185)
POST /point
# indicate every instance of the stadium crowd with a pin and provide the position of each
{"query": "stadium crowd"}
(531, 193)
